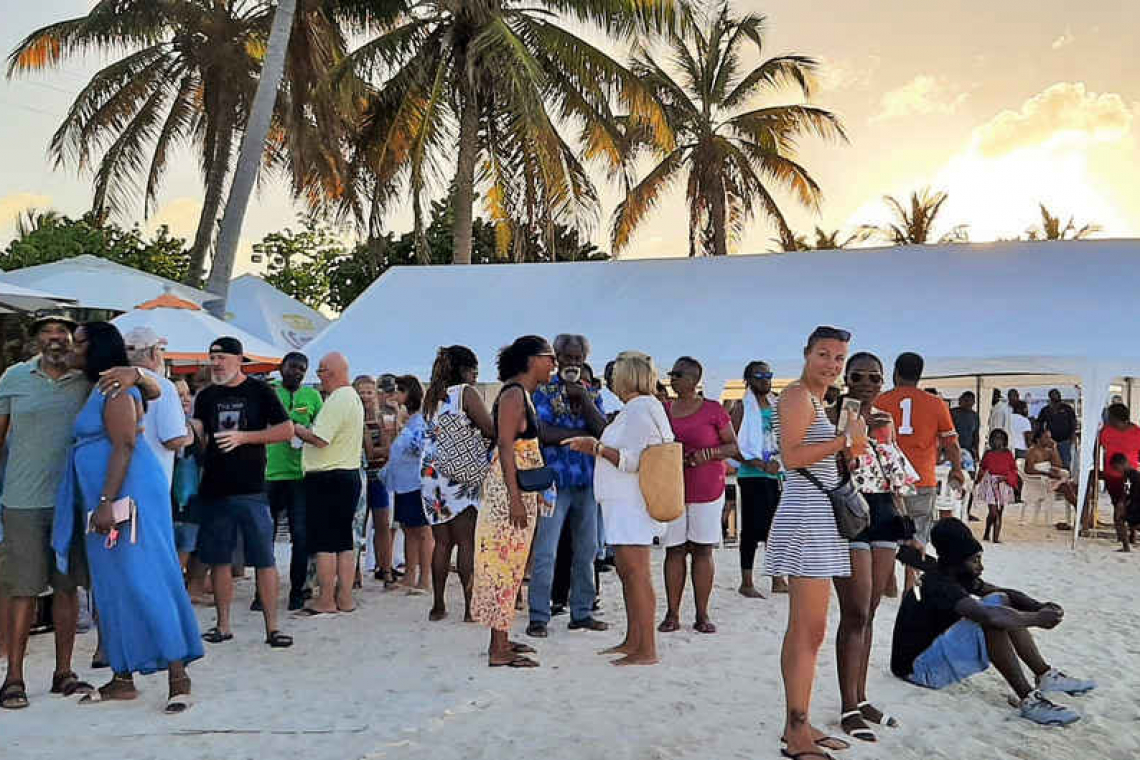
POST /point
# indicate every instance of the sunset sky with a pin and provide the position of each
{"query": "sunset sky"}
(1000, 104)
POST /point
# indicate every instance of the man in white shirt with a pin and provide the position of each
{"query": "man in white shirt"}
(164, 424)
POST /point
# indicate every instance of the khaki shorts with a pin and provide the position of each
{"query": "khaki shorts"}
(27, 561)
(920, 508)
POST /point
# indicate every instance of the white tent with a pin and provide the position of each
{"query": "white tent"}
(259, 308)
(18, 298)
(1052, 308)
(97, 283)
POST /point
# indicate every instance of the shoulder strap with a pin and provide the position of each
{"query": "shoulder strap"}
(812, 479)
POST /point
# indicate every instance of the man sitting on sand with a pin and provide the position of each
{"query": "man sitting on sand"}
(954, 624)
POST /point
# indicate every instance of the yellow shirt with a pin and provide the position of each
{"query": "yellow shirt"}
(341, 423)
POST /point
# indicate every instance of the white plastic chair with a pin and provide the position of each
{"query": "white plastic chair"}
(1037, 493)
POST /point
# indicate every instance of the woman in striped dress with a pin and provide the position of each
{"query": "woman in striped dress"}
(804, 543)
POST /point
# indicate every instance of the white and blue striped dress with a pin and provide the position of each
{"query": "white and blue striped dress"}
(804, 542)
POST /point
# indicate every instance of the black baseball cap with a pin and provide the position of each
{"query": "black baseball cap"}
(47, 319)
(387, 383)
(227, 345)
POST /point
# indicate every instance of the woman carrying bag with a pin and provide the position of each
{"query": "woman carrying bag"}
(622, 460)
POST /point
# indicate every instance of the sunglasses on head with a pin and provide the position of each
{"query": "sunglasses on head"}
(825, 332)
(874, 377)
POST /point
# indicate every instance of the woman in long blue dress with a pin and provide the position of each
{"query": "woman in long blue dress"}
(145, 617)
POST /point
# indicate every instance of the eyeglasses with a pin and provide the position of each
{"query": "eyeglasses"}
(858, 377)
(762, 375)
(675, 375)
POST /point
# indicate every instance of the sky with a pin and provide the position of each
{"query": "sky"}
(1002, 105)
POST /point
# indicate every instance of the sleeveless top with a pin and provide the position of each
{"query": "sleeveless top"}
(531, 416)
(804, 541)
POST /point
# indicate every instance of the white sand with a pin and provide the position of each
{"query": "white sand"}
(384, 683)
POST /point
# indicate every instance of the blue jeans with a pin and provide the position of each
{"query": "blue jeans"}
(1065, 449)
(577, 510)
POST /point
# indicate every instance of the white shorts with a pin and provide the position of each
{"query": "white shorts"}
(700, 524)
(629, 525)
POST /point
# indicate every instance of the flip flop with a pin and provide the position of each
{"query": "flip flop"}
(309, 612)
(68, 684)
(519, 648)
(809, 753)
(215, 636)
(668, 625)
(278, 640)
(827, 742)
(705, 626)
(98, 696)
(518, 661)
(178, 704)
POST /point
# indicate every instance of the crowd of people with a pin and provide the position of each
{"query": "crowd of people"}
(120, 481)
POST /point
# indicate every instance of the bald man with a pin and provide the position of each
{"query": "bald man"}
(331, 459)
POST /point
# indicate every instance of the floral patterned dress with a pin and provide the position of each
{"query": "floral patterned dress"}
(500, 548)
(443, 497)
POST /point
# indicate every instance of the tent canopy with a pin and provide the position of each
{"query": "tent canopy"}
(1027, 308)
(261, 309)
(97, 283)
(18, 298)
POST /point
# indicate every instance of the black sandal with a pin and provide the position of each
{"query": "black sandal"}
(14, 696)
(279, 640)
(68, 684)
(215, 636)
(518, 661)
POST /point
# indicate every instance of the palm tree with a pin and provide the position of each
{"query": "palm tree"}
(734, 156)
(1051, 229)
(487, 84)
(250, 156)
(915, 225)
(185, 73)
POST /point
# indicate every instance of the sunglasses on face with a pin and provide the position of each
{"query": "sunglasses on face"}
(675, 375)
(858, 377)
(762, 375)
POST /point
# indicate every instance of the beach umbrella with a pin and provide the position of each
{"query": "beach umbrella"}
(189, 331)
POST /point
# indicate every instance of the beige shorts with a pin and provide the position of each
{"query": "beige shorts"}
(700, 524)
(27, 561)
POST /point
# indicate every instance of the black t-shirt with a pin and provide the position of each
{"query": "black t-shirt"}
(250, 406)
(923, 617)
(1132, 498)
(1061, 424)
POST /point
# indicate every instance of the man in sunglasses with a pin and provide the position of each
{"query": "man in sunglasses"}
(923, 425)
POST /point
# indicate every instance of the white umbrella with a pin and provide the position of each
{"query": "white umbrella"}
(189, 331)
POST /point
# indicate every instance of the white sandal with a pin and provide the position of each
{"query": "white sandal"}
(862, 734)
(888, 721)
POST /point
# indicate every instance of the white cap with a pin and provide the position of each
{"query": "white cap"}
(142, 338)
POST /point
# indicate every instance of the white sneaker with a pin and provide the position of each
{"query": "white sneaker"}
(1040, 710)
(1055, 681)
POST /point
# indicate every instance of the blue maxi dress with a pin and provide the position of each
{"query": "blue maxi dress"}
(145, 615)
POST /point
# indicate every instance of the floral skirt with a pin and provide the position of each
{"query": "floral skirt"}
(501, 552)
(993, 489)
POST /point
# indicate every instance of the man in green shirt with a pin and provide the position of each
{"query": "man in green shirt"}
(284, 474)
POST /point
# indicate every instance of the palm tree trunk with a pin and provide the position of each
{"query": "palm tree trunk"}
(717, 213)
(215, 186)
(249, 159)
(461, 232)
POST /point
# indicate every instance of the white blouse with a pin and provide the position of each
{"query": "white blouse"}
(640, 424)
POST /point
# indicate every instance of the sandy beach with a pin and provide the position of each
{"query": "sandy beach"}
(384, 683)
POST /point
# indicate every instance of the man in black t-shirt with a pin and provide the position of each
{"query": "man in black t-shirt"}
(1061, 422)
(954, 625)
(234, 419)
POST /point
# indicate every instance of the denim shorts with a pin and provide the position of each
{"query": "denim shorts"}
(185, 537)
(223, 517)
(877, 535)
(957, 654)
(377, 493)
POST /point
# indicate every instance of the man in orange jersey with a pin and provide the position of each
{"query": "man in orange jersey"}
(923, 425)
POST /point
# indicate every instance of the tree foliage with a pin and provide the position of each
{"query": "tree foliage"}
(914, 224)
(43, 238)
(1052, 229)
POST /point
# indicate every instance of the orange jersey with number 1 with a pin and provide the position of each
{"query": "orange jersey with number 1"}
(921, 421)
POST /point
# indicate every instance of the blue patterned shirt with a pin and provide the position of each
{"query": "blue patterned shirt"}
(571, 469)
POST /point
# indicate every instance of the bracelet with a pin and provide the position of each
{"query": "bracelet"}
(598, 447)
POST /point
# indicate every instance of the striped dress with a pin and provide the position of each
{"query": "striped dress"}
(804, 542)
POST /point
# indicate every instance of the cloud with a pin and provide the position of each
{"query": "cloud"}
(11, 206)
(180, 215)
(847, 74)
(1065, 110)
(1064, 40)
(921, 96)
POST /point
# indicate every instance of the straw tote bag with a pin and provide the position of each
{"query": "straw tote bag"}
(661, 476)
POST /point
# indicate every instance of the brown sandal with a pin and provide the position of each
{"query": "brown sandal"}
(669, 625)
(13, 696)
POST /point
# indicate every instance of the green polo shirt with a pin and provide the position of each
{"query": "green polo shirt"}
(282, 461)
(41, 415)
